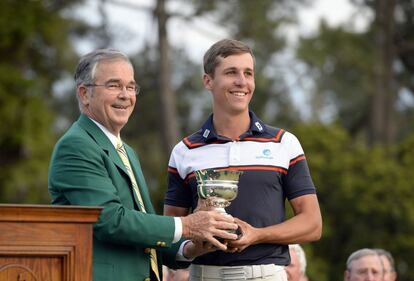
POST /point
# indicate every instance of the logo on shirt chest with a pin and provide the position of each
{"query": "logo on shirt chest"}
(265, 154)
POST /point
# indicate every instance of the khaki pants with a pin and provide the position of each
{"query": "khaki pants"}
(267, 272)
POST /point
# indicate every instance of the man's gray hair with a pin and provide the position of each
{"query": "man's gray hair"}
(86, 68)
(85, 71)
(300, 253)
(360, 254)
(382, 252)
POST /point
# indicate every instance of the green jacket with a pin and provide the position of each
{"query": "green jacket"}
(86, 170)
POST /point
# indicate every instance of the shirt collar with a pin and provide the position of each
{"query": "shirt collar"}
(256, 127)
(114, 139)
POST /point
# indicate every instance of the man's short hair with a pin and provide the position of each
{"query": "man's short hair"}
(382, 252)
(223, 49)
(85, 71)
(360, 254)
(300, 253)
(86, 68)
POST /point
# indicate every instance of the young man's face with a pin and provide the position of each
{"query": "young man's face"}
(232, 85)
(367, 268)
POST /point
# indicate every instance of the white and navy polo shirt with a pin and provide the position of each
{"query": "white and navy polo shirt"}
(274, 169)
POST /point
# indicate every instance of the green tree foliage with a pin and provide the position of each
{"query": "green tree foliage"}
(365, 196)
(405, 38)
(34, 51)
(365, 193)
(343, 65)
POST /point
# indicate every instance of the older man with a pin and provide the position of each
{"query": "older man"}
(389, 266)
(364, 265)
(91, 165)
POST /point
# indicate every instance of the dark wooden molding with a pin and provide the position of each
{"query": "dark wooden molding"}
(42, 242)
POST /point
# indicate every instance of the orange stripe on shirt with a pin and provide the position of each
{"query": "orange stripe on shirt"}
(192, 145)
(275, 139)
(297, 159)
(198, 144)
(260, 168)
(172, 170)
(245, 168)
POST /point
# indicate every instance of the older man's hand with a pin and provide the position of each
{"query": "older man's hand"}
(209, 226)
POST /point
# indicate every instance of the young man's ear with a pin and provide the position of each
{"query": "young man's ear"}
(207, 81)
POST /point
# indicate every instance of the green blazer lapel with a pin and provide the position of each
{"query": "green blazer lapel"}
(102, 140)
(139, 176)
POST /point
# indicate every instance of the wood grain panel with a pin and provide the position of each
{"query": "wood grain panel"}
(46, 242)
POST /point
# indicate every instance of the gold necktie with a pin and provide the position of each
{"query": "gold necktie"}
(124, 157)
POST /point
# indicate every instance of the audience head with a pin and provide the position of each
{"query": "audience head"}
(364, 265)
(296, 270)
(388, 263)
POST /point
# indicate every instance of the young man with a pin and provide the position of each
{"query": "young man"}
(364, 265)
(274, 169)
(91, 166)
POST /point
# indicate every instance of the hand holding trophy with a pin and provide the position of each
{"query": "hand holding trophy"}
(217, 187)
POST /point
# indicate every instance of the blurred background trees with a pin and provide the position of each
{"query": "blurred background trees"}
(355, 118)
(35, 52)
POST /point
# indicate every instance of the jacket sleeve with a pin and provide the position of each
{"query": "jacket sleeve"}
(169, 257)
(82, 173)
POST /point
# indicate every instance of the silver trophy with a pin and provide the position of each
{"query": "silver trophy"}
(217, 187)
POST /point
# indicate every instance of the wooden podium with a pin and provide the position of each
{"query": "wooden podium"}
(46, 243)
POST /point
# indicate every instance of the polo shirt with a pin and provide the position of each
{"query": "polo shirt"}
(274, 169)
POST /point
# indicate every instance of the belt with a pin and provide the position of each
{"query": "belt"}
(234, 272)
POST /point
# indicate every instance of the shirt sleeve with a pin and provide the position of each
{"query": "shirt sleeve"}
(297, 181)
(178, 189)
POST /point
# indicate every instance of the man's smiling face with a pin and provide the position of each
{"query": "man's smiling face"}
(110, 108)
(233, 84)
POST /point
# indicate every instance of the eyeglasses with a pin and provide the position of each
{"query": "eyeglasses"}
(116, 87)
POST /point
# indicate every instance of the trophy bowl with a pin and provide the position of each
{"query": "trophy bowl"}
(217, 187)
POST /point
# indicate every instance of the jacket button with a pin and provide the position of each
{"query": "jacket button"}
(147, 250)
(163, 244)
(147, 279)
(159, 243)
